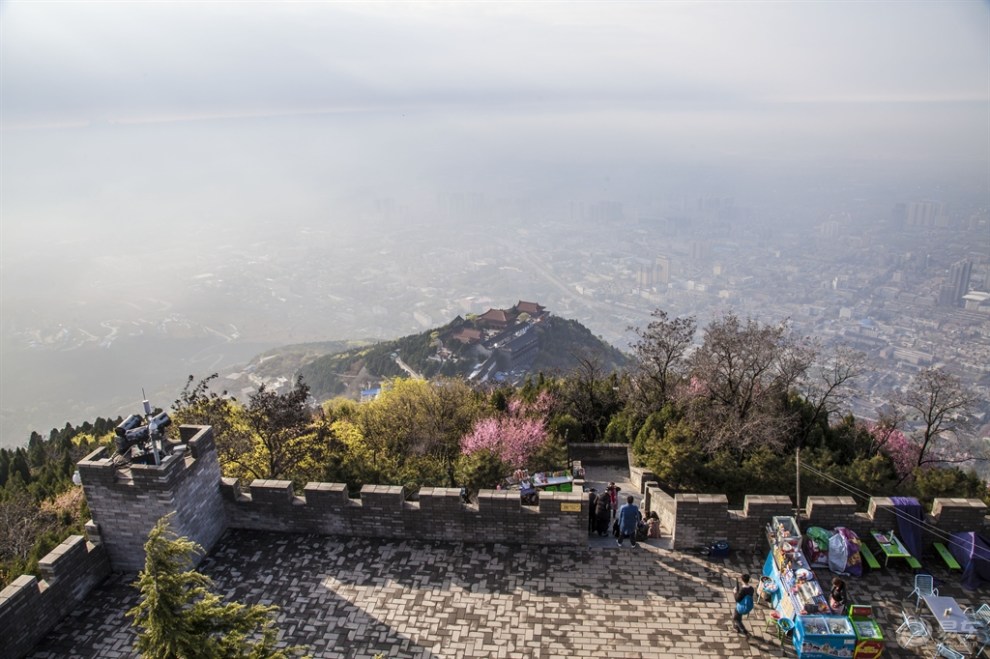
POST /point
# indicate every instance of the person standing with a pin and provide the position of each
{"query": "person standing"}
(744, 604)
(603, 514)
(613, 496)
(837, 595)
(629, 519)
(592, 500)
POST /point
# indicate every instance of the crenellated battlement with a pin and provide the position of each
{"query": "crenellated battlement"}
(696, 519)
(383, 511)
(127, 501)
(29, 607)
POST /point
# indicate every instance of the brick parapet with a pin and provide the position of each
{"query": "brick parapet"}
(640, 477)
(954, 515)
(560, 518)
(126, 502)
(830, 512)
(749, 525)
(700, 519)
(30, 607)
(696, 519)
(598, 454)
(658, 501)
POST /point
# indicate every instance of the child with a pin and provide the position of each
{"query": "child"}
(837, 596)
(744, 604)
(653, 526)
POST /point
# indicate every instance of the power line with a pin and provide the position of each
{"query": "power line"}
(901, 514)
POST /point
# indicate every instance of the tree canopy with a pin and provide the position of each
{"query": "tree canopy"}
(179, 617)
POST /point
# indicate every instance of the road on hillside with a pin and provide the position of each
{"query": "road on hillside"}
(408, 369)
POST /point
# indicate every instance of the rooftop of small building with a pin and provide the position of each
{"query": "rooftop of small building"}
(346, 597)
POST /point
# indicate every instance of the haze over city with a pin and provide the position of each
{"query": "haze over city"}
(183, 185)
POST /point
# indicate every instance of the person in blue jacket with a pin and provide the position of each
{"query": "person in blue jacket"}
(629, 519)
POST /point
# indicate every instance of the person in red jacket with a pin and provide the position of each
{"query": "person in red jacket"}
(613, 496)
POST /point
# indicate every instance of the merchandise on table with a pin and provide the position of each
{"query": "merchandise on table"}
(816, 545)
(824, 637)
(796, 594)
(843, 553)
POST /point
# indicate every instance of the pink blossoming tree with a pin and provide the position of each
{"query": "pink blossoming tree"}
(897, 446)
(513, 436)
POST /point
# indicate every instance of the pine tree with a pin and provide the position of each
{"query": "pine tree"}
(179, 618)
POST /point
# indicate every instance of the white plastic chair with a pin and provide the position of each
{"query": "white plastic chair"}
(943, 650)
(915, 626)
(924, 584)
(979, 617)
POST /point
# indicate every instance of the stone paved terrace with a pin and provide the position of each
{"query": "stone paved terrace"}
(356, 598)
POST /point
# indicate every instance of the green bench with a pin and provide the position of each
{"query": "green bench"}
(947, 556)
(913, 562)
(868, 556)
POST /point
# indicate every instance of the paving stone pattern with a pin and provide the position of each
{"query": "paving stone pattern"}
(403, 598)
(356, 598)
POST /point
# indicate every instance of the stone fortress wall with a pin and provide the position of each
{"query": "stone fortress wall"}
(382, 511)
(29, 608)
(694, 520)
(126, 503)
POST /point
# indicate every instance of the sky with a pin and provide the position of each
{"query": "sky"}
(895, 79)
(124, 117)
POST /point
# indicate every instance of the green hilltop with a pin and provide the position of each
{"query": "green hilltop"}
(499, 346)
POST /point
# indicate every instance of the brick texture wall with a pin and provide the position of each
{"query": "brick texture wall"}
(383, 512)
(701, 518)
(127, 502)
(29, 608)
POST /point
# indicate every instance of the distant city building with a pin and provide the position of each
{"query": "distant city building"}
(606, 211)
(829, 229)
(977, 301)
(662, 267)
(925, 214)
(952, 292)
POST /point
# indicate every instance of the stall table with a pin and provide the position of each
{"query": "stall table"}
(796, 594)
(555, 482)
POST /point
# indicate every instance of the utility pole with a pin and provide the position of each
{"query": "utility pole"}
(797, 482)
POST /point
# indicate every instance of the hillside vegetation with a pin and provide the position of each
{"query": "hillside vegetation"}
(561, 344)
(725, 414)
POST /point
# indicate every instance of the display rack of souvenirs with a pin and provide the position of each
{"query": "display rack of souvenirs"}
(792, 588)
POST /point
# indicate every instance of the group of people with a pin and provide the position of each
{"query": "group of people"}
(605, 516)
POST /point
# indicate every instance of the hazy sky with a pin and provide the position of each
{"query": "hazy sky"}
(129, 118)
(897, 78)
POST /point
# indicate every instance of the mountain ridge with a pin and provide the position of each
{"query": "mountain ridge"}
(499, 346)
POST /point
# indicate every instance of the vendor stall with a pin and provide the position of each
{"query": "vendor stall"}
(824, 637)
(555, 481)
(796, 594)
(869, 636)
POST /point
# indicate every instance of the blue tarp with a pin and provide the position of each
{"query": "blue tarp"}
(973, 554)
(909, 521)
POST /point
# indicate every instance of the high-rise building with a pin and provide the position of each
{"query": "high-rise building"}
(662, 267)
(957, 284)
(925, 213)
